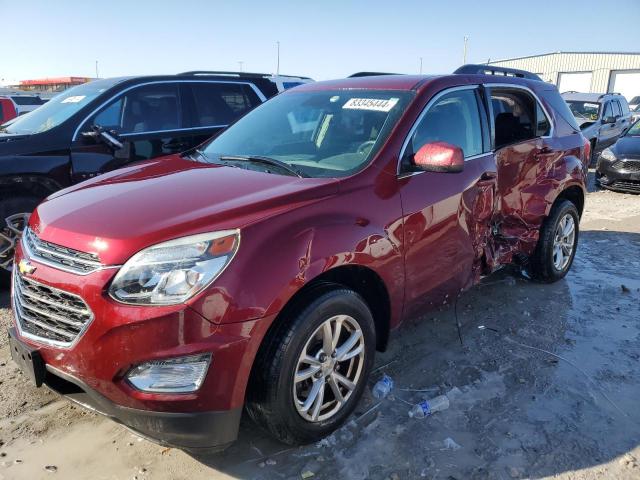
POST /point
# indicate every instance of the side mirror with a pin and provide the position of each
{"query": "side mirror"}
(606, 120)
(110, 138)
(439, 157)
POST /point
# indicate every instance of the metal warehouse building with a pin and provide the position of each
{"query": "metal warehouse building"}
(595, 72)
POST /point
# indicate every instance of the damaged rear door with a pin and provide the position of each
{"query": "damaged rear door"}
(524, 152)
(447, 216)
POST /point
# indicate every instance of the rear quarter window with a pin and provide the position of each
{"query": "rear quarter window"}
(560, 107)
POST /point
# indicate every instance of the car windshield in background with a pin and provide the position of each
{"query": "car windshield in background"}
(22, 100)
(58, 109)
(319, 134)
(634, 131)
(584, 110)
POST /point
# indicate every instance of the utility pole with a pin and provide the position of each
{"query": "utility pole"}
(240, 63)
(97, 76)
(464, 54)
(420, 65)
(278, 60)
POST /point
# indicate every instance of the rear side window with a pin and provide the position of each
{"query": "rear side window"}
(146, 109)
(624, 105)
(553, 99)
(20, 100)
(514, 116)
(454, 119)
(617, 111)
(221, 103)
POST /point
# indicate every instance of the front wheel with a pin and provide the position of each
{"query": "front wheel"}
(313, 368)
(557, 244)
(14, 216)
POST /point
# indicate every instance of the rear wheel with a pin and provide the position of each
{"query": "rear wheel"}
(14, 216)
(311, 372)
(557, 244)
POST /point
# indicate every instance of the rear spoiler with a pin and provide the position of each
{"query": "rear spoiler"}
(472, 69)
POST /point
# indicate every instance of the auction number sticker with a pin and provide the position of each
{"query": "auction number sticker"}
(375, 104)
(76, 99)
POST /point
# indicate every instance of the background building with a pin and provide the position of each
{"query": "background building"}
(51, 84)
(595, 72)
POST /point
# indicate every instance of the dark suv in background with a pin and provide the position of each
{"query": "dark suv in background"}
(109, 123)
(602, 117)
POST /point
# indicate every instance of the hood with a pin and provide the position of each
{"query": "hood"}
(627, 147)
(120, 213)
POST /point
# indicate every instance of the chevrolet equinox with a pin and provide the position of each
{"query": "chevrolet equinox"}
(261, 271)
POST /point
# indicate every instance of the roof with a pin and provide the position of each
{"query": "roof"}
(560, 53)
(382, 82)
(585, 97)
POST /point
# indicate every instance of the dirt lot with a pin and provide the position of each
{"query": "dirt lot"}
(549, 388)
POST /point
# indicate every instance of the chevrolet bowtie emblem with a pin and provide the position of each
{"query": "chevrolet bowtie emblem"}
(25, 267)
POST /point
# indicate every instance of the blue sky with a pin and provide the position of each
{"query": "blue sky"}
(321, 39)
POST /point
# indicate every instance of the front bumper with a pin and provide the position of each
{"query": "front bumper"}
(205, 430)
(621, 174)
(92, 371)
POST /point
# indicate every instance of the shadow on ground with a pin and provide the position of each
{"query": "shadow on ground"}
(550, 385)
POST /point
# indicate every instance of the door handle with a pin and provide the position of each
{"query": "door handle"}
(544, 151)
(488, 176)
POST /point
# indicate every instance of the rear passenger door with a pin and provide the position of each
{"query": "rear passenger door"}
(525, 152)
(214, 105)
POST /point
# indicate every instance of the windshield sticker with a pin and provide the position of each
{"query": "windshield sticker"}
(375, 104)
(76, 99)
(591, 105)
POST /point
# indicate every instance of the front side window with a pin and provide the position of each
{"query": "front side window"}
(149, 108)
(514, 113)
(219, 104)
(617, 111)
(608, 110)
(455, 119)
(320, 134)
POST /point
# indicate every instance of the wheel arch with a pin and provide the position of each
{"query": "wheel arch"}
(38, 186)
(575, 194)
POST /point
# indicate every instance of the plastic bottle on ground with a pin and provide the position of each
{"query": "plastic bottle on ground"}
(429, 407)
(382, 388)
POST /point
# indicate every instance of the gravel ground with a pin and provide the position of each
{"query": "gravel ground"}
(548, 388)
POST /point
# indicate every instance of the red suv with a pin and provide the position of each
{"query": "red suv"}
(264, 269)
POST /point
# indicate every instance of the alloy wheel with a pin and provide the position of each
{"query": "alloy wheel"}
(10, 235)
(329, 368)
(564, 242)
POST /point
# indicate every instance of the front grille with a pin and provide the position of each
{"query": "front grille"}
(48, 314)
(60, 257)
(629, 186)
(632, 166)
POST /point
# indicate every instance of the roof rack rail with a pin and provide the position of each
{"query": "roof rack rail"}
(370, 74)
(222, 73)
(571, 91)
(239, 74)
(493, 70)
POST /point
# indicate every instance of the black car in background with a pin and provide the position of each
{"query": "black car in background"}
(109, 123)
(619, 165)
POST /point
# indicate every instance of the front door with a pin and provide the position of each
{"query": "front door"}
(148, 122)
(447, 215)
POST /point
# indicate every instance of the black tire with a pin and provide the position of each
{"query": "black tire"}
(542, 263)
(270, 397)
(9, 207)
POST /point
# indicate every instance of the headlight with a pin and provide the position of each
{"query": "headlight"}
(172, 272)
(174, 375)
(607, 154)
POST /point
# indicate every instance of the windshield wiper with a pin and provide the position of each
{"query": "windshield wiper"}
(266, 160)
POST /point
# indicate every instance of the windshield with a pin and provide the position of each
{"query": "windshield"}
(58, 109)
(634, 131)
(584, 110)
(319, 134)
